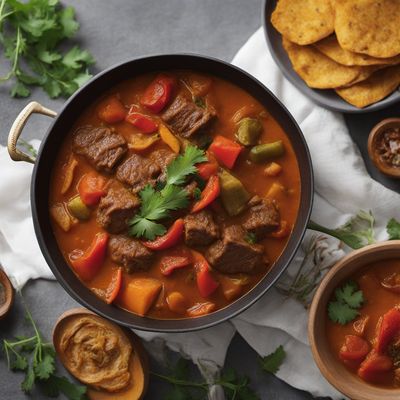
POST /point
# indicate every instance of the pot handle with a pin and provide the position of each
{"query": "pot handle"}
(18, 126)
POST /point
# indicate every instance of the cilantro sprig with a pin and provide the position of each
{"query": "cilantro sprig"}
(30, 34)
(272, 362)
(157, 203)
(36, 358)
(349, 300)
(393, 229)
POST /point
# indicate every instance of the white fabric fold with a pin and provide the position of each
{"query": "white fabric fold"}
(343, 187)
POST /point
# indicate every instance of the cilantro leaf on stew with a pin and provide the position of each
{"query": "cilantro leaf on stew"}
(393, 229)
(350, 295)
(272, 362)
(341, 313)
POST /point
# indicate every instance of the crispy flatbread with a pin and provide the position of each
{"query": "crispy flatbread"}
(331, 48)
(376, 88)
(368, 26)
(303, 21)
(319, 71)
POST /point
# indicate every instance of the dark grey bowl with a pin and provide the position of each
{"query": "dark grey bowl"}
(325, 98)
(60, 128)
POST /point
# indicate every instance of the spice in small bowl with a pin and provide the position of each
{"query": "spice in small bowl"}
(6, 294)
(384, 146)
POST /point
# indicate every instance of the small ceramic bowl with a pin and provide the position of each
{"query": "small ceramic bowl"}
(333, 370)
(374, 137)
(8, 294)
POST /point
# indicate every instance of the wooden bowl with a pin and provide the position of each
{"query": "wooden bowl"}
(139, 360)
(9, 294)
(334, 371)
(373, 137)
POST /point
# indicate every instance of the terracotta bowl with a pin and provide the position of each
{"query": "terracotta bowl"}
(9, 294)
(333, 370)
(374, 136)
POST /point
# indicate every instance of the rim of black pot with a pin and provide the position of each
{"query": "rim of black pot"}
(65, 120)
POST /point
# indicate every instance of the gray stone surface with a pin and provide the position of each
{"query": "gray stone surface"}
(115, 31)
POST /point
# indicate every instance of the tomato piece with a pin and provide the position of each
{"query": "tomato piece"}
(388, 330)
(375, 367)
(114, 287)
(200, 309)
(354, 348)
(171, 263)
(207, 170)
(91, 188)
(208, 195)
(206, 284)
(158, 93)
(170, 239)
(112, 110)
(88, 263)
(392, 283)
(144, 123)
(225, 150)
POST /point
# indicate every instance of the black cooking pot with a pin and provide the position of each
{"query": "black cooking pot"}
(61, 126)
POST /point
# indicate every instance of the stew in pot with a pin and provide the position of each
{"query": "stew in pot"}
(174, 194)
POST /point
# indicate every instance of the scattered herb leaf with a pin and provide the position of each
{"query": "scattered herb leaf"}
(28, 147)
(197, 193)
(250, 238)
(393, 229)
(199, 101)
(272, 362)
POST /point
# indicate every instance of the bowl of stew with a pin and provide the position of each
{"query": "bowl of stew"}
(354, 325)
(170, 192)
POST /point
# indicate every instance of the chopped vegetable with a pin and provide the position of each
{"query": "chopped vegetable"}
(273, 169)
(31, 33)
(144, 123)
(208, 195)
(61, 216)
(177, 260)
(114, 287)
(348, 300)
(88, 263)
(354, 349)
(170, 139)
(360, 324)
(170, 239)
(250, 238)
(91, 188)
(200, 309)
(272, 362)
(388, 330)
(176, 302)
(140, 294)
(206, 284)
(139, 142)
(78, 208)
(357, 232)
(392, 283)
(69, 175)
(158, 93)
(249, 131)
(234, 196)
(111, 110)
(226, 151)
(283, 231)
(264, 152)
(231, 288)
(393, 229)
(206, 170)
(275, 191)
(373, 366)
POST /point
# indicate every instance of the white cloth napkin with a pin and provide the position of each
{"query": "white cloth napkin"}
(343, 187)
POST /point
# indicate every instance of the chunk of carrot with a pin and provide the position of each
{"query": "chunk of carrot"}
(140, 294)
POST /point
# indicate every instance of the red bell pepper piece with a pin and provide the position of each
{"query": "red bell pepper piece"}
(91, 188)
(88, 263)
(206, 284)
(170, 239)
(207, 170)
(114, 287)
(144, 123)
(176, 260)
(354, 348)
(389, 328)
(225, 150)
(112, 110)
(158, 93)
(208, 195)
(375, 367)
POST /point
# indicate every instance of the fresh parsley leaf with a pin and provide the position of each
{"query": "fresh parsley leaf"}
(29, 380)
(272, 362)
(393, 229)
(357, 232)
(19, 363)
(57, 384)
(350, 295)
(236, 387)
(46, 365)
(250, 238)
(341, 313)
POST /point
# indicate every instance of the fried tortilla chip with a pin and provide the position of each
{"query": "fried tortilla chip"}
(331, 48)
(303, 21)
(374, 89)
(319, 71)
(368, 26)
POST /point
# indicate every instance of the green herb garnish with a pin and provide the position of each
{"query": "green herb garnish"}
(272, 362)
(347, 303)
(30, 34)
(197, 193)
(250, 238)
(393, 229)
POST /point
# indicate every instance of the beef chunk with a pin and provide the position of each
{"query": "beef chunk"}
(233, 254)
(200, 229)
(262, 217)
(101, 147)
(137, 171)
(116, 208)
(162, 158)
(185, 117)
(130, 253)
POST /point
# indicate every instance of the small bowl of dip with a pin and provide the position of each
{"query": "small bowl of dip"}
(384, 146)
